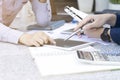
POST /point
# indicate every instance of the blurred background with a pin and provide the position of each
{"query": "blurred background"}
(26, 16)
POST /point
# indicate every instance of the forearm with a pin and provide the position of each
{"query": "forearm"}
(42, 12)
(111, 19)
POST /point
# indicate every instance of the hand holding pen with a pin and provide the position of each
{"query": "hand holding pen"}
(79, 16)
(78, 30)
(76, 14)
(92, 26)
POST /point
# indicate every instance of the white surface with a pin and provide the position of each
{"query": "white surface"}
(73, 12)
(114, 6)
(52, 61)
(101, 5)
(16, 63)
(85, 5)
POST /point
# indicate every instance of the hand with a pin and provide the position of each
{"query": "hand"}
(43, 1)
(36, 39)
(94, 33)
(96, 21)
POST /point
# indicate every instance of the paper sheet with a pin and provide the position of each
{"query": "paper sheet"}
(66, 26)
(52, 61)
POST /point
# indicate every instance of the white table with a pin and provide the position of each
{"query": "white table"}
(16, 63)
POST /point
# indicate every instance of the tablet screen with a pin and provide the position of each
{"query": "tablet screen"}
(68, 43)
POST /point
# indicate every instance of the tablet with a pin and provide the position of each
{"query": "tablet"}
(70, 44)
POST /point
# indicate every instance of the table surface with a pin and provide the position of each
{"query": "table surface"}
(16, 63)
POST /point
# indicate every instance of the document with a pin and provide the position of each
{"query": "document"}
(52, 61)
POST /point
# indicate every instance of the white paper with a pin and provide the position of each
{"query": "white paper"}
(66, 26)
(52, 61)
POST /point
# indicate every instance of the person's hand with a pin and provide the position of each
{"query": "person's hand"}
(35, 39)
(43, 1)
(96, 21)
(94, 33)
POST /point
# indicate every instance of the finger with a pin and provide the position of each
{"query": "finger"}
(51, 41)
(39, 40)
(35, 43)
(45, 39)
(82, 23)
(80, 32)
(48, 40)
(43, 36)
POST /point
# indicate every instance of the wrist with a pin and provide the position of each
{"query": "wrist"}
(22, 38)
(111, 19)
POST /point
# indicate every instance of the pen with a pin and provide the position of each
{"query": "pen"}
(71, 12)
(79, 30)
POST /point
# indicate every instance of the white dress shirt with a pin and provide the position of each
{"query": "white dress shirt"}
(10, 8)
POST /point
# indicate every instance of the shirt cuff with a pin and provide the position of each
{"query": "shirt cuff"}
(117, 24)
(9, 35)
(115, 35)
(14, 36)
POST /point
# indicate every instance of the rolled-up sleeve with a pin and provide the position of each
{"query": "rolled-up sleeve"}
(117, 24)
(115, 30)
(115, 35)
(42, 12)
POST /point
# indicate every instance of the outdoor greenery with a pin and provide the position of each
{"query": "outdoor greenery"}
(115, 1)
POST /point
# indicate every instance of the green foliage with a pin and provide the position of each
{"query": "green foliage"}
(115, 1)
